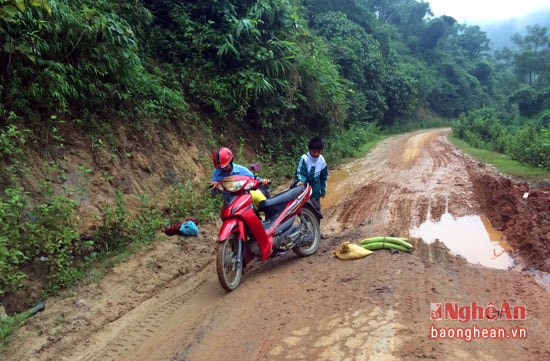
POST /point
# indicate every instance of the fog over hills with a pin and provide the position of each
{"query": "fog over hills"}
(499, 32)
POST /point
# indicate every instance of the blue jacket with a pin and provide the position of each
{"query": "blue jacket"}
(219, 174)
(315, 172)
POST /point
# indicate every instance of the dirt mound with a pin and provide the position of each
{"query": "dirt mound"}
(521, 213)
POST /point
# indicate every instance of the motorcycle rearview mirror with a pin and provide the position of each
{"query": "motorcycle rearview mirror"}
(255, 167)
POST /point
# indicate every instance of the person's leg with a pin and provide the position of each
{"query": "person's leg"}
(265, 191)
(317, 203)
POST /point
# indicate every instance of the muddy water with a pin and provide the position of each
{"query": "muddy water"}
(472, 237)
(335, 184)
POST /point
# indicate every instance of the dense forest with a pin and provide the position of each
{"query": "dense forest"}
(279, 70)
(311, 66)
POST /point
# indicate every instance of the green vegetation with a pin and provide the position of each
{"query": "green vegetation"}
(9, 324)
(268, 73)
(501, 162)
(527, 142)
(184, 201)
(352, 143)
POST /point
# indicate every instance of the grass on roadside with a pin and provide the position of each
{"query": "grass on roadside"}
(502, 162)
(365, 148)
(9, 324)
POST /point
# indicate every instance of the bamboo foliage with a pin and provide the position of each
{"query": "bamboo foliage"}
(81, 53)
(272, 63)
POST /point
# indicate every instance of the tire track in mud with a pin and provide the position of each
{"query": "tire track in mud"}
(446, 278)
(395, 195)
(322, 308)
(430, 182)
(465, 283)
(359, 207)
(152, 329)
(435, 253)
(319, 315)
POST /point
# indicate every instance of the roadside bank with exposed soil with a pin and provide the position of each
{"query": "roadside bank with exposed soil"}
(165, 303)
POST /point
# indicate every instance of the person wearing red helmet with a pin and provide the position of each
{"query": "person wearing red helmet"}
(222, 157)
(224, 166)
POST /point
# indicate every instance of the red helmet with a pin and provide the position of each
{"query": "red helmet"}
(222, 157)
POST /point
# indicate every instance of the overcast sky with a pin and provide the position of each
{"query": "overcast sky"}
(471, 11)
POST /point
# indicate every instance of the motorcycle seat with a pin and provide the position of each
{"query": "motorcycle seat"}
(281, 198)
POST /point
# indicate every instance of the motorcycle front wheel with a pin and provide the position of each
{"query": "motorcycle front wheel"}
(229, 263)
(311, 232)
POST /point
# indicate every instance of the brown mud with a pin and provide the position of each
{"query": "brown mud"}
(165, 303)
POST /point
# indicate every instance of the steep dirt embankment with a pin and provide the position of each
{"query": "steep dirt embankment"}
(91, 173)
(523, 215)
(165, 303)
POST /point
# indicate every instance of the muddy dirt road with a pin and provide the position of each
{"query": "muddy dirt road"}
(166, 304)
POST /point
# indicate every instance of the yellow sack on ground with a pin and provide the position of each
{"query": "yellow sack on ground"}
(349, 250)
(257, 197)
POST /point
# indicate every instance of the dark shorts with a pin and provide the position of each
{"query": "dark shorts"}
(317, 203)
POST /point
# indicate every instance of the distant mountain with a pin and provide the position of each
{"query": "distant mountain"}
(500, 32)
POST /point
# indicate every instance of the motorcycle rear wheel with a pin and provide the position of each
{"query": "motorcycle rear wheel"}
(229, 263)
(312, 231)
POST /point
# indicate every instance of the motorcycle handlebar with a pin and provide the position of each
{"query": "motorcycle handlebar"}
(215, 189)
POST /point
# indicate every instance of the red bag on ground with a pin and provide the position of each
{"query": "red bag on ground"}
(174, 229)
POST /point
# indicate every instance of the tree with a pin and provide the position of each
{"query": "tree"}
(471, 40)
(434, 31)
(530, 101)
(407, 15)
(355, 10)
(531, 62)
(360, 61)
(456, 92)
(77, 54)
(10, 9)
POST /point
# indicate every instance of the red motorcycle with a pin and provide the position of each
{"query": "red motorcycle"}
(286, 221)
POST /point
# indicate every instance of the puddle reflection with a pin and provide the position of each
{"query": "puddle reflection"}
(338, 179)
(471, 237)
(334, 187)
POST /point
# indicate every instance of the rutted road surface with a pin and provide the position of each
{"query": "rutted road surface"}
(166, 304)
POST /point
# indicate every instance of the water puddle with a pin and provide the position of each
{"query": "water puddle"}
(472, 237)
(336, 182)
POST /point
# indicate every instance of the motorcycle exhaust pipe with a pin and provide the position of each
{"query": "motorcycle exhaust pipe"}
(287, 239)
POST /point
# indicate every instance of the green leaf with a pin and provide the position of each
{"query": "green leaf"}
(10, 12)
(20, 5)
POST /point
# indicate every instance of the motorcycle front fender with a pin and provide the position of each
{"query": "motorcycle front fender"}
(237, 226)
(230, 226)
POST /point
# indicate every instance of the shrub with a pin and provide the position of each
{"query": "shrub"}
(480, 128)
(30, 232)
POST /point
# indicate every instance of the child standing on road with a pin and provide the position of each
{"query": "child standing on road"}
(312, 169)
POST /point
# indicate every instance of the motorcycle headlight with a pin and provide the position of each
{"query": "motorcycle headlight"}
(233, 186)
